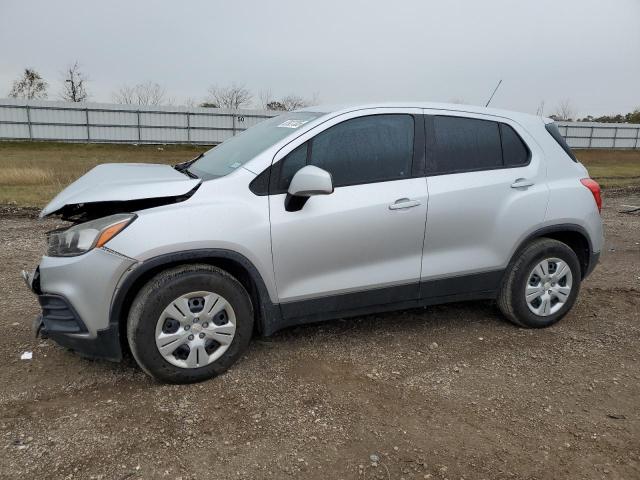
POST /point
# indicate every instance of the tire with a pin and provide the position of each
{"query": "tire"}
(521, 280)
(149, 325)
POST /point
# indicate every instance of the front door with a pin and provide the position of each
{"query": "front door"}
(362, 244)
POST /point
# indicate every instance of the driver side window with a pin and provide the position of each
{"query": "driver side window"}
(374, 148)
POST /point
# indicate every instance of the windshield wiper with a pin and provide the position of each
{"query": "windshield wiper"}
(184, 166)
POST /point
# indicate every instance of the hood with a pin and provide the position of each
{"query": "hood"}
(118, 186)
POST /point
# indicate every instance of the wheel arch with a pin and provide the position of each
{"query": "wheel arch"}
(572, 235)
(234, 263)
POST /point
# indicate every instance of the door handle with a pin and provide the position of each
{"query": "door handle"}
(522, 183)
(402, 203)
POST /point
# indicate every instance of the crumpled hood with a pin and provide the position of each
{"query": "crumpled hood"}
(122, 182)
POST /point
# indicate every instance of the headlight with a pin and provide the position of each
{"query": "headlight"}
(81, 238)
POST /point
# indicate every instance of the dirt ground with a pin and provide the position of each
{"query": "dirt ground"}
(445, 392)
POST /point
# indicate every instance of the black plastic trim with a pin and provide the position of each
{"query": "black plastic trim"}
(594, 258)
(274, 317)
(561, 228)
(106, 345)
(268, 311)
(475, 286)
(60, 322)
(58, 315)
(294, 203)
(336, 305)
(486, 283)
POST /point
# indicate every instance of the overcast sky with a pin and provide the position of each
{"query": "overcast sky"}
(345, 51)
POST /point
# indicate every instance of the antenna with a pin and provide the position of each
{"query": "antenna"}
(494, 92)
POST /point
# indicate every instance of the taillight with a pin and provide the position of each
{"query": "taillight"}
(593, 186)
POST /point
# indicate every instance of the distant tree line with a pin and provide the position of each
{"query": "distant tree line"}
(32, 86)
(631, 117)
(565, 111)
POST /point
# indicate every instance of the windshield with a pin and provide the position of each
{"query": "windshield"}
(238, 150)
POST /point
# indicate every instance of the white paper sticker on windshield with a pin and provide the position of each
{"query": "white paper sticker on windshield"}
(293, 123)
(235, 165)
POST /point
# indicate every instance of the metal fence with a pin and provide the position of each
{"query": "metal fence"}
(601, 135)
(106, 123)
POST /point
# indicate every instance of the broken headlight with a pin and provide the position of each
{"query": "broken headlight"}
(83, 237)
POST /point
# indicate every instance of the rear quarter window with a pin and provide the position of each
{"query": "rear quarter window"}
(553, 130)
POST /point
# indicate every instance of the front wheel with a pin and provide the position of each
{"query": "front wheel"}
(542, 284)
(189, 323)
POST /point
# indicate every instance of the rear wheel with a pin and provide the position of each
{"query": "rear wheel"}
(542, 284)
(189, 323)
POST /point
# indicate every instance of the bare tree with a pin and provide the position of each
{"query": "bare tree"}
(73, 88)
(30, 86)
(233, 96)
(287, 103)
(564, 110)
(151, 93)
(266, 97)
(540, 110)
(190, 102)
(148, 93)
(125, 95)
(293, 102)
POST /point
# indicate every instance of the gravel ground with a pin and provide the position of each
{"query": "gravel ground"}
(445, 392)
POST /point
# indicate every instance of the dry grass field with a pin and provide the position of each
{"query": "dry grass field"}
(32, 173)
(612, 168)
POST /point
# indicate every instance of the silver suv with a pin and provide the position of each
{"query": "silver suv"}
(317, 214)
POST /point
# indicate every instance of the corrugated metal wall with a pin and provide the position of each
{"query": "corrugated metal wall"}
(95, 122)
(601, 135)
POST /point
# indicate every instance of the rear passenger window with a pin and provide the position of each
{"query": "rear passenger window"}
(514, 151)
(464, 144)
(459, 144)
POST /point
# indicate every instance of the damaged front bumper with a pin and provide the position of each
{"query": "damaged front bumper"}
(75, 296)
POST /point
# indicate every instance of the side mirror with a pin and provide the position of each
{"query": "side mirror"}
(310, 181)
(307, 181)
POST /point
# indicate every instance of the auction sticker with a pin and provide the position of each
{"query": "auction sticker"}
(292, 123)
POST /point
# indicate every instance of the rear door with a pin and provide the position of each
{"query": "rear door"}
(487, 189)
(362, 244)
